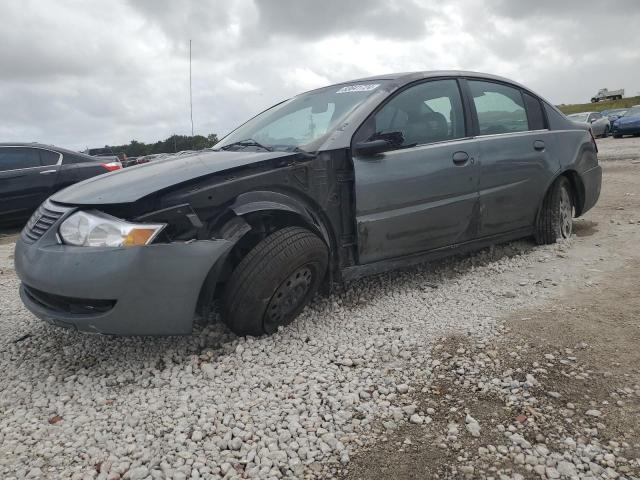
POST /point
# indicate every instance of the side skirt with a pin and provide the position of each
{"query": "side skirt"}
(359, 271)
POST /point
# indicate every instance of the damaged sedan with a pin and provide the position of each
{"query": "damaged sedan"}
(329, 186)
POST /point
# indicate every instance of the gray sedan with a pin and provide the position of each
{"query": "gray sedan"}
(599, 124)
(340, 182)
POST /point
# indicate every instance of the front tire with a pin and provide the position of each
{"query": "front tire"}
(274, 281)
(555, 220)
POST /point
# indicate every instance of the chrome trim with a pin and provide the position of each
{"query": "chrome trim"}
(60, 156)
(524, 132)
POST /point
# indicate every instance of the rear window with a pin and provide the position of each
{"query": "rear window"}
(14, 158)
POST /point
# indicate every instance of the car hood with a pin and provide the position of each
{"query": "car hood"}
(134, 183)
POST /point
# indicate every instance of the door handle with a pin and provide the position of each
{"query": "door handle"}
(460, 158)
(47, 172)
(538, 145)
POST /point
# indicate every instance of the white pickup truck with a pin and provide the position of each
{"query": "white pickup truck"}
(605, 94)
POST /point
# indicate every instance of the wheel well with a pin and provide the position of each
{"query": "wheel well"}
(262, 224)
(577, 188)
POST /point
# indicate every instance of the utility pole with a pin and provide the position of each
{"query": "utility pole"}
(190, 89)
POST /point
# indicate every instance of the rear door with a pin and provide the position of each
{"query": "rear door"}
(27, 177)
(515, 153)
(422, 195)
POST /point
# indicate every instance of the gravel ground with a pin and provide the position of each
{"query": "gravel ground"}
(300, 403)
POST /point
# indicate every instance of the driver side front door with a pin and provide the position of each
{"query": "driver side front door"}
(422, 195)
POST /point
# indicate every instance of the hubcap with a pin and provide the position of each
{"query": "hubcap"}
(566, 214)
(288, 297)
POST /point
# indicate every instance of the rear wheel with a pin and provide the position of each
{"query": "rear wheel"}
(606, 131)
(555, 220)
(273, 283)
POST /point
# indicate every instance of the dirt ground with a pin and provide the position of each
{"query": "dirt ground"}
(583, 347)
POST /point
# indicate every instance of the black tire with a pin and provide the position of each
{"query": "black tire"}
(555, 220)
(617, 136)
(274, 281)
(606, 131)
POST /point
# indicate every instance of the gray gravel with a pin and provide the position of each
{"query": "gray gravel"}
(215, 405)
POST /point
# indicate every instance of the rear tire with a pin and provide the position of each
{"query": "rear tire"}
(617, 136)
(274, 281)
(606, 132)
(555, 220)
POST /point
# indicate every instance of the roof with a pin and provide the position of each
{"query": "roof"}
(43, 145)
(403, 78)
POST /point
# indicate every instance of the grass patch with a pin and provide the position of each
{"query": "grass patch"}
(598, 107)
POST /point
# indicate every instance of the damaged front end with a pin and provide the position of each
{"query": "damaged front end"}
(146, 289)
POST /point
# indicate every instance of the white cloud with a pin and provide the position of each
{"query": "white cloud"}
(95, 73)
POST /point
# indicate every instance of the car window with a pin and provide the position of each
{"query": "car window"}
(534, 112)
(425, 113)
(14, 158)
(595, 116)
(297, 126)
(302, 122)
(500, 108)
(47, 157)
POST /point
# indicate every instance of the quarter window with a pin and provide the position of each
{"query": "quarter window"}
(534, 112)
(47, 157)
(500, 108)
(14, 158)
(425, 113)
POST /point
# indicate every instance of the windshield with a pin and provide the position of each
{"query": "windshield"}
(301, 122)
(632, 112)
(579, 117)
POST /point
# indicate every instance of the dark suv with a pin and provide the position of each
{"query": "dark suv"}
(30, 172)
(333, 184)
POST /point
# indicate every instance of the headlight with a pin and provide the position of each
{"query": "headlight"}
(97, 229)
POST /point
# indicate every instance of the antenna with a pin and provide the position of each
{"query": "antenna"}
(190, 89)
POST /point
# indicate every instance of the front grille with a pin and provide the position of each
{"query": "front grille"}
(76, 306)
(42, 219)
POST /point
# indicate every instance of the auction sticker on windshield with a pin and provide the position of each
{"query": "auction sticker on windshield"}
(358, 88)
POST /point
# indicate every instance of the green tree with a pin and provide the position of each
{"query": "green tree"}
(173, 144)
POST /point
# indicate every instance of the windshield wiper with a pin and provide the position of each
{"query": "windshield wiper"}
(247, 142)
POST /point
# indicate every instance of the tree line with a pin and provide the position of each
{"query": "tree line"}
(173, 144)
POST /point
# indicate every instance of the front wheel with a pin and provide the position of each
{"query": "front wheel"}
(555, 219)
(606, 131)
(273, 283)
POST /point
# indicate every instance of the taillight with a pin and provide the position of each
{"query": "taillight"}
(593, 140)
(111, 166)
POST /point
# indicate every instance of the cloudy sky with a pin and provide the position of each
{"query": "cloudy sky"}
(80, 73)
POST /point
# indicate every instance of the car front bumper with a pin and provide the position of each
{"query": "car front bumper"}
(150, 290)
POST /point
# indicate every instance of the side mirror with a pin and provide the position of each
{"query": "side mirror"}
(371, 147)
(592, 120)
(380, 142)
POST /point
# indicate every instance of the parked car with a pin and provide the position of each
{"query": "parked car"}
(129, 162)
(614, 114)
(105, 153)
(598, 123)
(30, 172)
(628, 124)
(331, 185)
